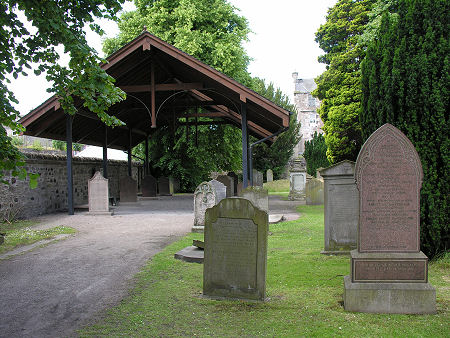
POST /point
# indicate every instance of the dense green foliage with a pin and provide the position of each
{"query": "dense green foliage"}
(405, 82)
(62, 145)
(338, 87)
(52, 23)
(276, 155)
(316, 154)
(211, 31)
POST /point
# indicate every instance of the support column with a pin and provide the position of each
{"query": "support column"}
(146, 171)
(244, 144)
(250, 164)
(105, 154)
(153, 99)
(70, 206)
(129, 150)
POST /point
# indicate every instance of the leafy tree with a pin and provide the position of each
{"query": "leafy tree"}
(316, 154)
(62, 145)
(277, 155)
(405, 82)
(54, 22)
(338, 87)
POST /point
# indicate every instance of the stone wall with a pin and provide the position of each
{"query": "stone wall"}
(51, 192)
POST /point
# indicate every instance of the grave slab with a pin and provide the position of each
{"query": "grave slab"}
(128, 190)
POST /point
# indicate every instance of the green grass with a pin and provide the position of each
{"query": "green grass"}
(305, 290)
(277, 186)
(21, 233)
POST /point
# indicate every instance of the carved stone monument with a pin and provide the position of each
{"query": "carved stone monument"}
(314, 191)
(128, 190)
(258, 196)
(388, 271)
(148, 186)
(269, 175)
(235, 178)
(221, 190)
(297, 180)
(258, 178)
(235, 251)
(341, 210)
(228, 182)
(205, 197)
(98, 195)
(164, 186)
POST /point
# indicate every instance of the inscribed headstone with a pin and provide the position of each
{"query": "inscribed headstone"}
(235, 250)
(341, 212)
(314, 192)
(269, 175)
(297, 182)
(204, 198)
(233, 175)
(258, 196)
(228, 182)
(221, 190)
(148, 186)
(98, 194)
(388, 270)
(164, 186)
(128, 189)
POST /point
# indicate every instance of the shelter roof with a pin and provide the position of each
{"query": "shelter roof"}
(163, 85)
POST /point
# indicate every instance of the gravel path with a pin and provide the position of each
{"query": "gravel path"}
(54, 290)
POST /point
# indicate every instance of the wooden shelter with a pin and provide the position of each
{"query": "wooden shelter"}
(161, 83)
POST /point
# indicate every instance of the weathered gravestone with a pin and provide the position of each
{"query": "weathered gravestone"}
(258, 179)
(221, 190)
(148, 186)
(297, 179)
(341, 210)
(164, 186)
(128, 189)
(314, 191)
(228, 182)
(98, 195)
(240, 186)
(269, 175)
(235, 178)
(235, 250)
(389, 273)
(258, 196)
(205, 196)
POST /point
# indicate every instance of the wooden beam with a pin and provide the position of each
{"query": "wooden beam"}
(203, 123)
(55, 117)
(160, 87)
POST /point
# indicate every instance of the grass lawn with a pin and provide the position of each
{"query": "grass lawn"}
(305, 290)
(21, 233)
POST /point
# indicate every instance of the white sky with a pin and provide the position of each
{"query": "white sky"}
(282, 42)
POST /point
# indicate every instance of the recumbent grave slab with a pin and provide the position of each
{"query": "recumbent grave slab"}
(388, 271)
(235, 251)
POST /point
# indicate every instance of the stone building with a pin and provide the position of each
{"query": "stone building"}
(306, 106)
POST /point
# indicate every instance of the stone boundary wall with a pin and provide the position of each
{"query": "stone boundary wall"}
(51, 192)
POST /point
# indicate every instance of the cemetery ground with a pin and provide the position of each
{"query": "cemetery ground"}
(278, 187)
(304, 290)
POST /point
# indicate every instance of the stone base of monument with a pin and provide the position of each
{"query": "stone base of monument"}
(403, 298)
(191, 254)
(100, 213)
(276, 218)
(297, 197)
(198, 228)
(335, 253)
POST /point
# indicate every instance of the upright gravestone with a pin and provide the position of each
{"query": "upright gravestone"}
(389, 273)
(297, 180)
(228, 182)
(269, 175)
(205, 197)
(341, 210)
(314, 191)
(164, 186)
(235, 250)
(258, 179)
(128, 189)
(98, 195)
(221, 190)
(258, 196)
(148, 186)
(233, 175)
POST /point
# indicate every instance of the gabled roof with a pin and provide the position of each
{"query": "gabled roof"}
(180, 83)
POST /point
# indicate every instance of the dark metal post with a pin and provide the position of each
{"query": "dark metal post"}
(129, 151)
(70, 206)
(244, 144)
(146, 171)
(105, 154)
(250, 164)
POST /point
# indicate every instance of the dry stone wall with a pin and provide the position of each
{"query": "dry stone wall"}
(51, 192)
